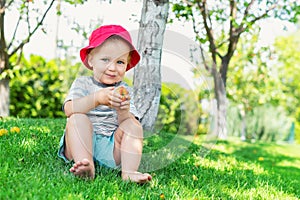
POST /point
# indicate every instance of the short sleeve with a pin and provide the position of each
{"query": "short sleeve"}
(78, 89)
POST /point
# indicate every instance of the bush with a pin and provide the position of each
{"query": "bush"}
(178, 110)
(297, 126)
(266, 123)
(38, 87)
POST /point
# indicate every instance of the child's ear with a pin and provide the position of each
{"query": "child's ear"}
(89, 60)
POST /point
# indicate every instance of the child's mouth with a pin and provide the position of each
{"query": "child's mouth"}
(111, 76)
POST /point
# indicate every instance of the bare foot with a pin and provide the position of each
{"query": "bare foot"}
(83, 169)
(136, 177)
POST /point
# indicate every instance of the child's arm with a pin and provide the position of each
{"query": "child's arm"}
(87, 103)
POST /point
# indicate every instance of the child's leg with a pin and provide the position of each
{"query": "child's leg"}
(79, 145)
(128, 150)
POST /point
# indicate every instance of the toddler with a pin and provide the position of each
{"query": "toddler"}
(103, 124)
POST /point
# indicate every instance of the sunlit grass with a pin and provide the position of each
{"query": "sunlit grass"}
(30, 168)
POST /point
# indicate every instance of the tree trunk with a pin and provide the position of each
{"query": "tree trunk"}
(222, 109)
(243, 128)
(4, 98)
(220, 94)
(147, 75)
(4, 82)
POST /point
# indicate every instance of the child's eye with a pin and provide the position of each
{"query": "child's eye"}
(121, 62)
(105, 59)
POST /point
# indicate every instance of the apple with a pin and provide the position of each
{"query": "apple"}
(123, 92)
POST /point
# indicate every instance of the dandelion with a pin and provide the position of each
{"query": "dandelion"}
(162, 196)
(261, 158)
(15, 129)
(3, 132)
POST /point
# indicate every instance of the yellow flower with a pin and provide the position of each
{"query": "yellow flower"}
(162, 196)
(3, 132)
(15, 129)
(195, 178)
(261, 158)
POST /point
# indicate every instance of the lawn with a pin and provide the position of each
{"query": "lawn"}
(30, 168)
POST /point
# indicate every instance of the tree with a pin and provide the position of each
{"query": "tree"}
(254, 87)
(287, 50)
(147, 76)
(27, 11)
(218, 26)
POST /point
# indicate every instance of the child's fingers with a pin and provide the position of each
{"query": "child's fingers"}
(126, 102)
(118, 103)
(122, 93)
(125, 105)
(121, 98)
(127, 97)
(115, 102)
(105, 96)
(116, 94)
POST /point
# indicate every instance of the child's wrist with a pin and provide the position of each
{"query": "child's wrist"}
(123, 113)
(123, 116)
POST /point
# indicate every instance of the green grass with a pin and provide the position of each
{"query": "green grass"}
(30, 169)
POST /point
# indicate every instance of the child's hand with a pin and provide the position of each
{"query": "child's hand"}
(121, 99)
(117, 98)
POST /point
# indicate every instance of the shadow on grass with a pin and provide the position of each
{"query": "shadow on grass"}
(247, 171)
(30, 168)
(277, 169)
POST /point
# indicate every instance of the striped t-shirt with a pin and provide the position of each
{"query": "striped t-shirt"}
(103, 118)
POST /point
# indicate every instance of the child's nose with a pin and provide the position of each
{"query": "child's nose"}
(111, 66)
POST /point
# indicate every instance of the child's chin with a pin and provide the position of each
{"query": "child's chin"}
(109, 82)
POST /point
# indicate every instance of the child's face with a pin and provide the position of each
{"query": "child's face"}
(109, 61)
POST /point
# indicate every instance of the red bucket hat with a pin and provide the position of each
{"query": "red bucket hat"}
(99, 35)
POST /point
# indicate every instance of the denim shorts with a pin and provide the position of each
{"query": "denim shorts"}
(103, 148)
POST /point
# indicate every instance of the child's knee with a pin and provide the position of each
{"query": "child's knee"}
(133, 128)
(138, 129)
(77, 120)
